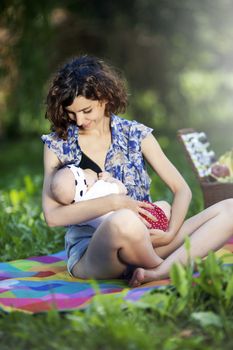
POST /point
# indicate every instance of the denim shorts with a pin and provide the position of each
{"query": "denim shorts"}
(77, 239)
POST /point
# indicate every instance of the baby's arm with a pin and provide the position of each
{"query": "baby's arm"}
(108, 178)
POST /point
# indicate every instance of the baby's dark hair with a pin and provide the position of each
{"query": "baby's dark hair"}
(85, 76)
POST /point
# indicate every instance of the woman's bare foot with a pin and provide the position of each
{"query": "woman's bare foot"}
(141, 276)
(158, 261)
(137, 278)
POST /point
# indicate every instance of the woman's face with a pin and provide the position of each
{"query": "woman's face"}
(86, 113)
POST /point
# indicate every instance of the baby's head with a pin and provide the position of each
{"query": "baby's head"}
(69, 184)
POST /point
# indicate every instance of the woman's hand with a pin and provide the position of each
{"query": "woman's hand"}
(121, 201)
(160, 238)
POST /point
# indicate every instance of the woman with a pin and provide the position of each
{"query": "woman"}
(82, 103)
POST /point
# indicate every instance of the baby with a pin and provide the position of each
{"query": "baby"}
(72, 184)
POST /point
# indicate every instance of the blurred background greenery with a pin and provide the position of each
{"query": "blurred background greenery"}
(176, 55)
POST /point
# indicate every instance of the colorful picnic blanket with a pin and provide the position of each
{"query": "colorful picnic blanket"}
(39, 284)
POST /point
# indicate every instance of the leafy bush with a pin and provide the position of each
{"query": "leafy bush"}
(23, 229)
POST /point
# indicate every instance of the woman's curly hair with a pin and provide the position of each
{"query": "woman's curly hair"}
(85, 76)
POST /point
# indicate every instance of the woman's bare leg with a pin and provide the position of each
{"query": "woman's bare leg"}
(120, 240)
(209, 230)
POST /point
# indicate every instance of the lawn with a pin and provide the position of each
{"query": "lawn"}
(186, 316)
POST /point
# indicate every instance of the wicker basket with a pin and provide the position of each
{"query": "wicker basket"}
(212, 190)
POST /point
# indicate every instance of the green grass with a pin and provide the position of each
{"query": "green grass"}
(193, 314)
(22, 224)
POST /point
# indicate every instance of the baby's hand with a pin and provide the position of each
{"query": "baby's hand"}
(104, 176)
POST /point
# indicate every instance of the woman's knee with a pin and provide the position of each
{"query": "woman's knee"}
(126, 225)
(227, 206)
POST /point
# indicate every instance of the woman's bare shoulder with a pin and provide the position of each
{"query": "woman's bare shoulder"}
(51, 160)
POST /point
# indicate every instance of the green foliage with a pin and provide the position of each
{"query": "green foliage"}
(207, 319)
(179, 64)
(28, 64)
(22, 226)
(168, 318)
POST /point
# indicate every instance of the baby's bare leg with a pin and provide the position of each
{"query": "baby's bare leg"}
(166, 207)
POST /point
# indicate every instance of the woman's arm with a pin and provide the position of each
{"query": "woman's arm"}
(57, 214)
(171, 176)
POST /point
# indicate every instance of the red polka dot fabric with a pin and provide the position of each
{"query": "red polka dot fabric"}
(162, 221)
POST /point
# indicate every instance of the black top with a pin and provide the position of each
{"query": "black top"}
(88, 163)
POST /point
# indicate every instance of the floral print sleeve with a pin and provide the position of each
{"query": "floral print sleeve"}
(137, 133)
(68, 150)
(53, 143)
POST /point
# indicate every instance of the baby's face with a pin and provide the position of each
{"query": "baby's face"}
(91, 177)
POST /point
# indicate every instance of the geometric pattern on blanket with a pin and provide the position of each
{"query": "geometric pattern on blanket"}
(39, 284)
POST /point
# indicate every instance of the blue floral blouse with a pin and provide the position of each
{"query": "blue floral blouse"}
(124, 159)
